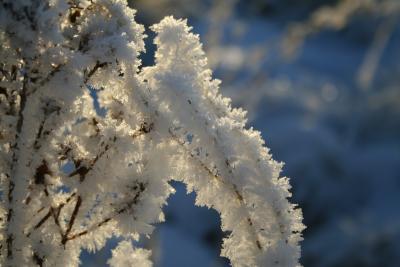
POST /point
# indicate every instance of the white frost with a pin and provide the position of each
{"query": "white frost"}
(124, 255)
(72, 177)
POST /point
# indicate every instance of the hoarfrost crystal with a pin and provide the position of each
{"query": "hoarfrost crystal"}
(73, 177)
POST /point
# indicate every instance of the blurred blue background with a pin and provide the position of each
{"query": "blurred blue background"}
(320, 80)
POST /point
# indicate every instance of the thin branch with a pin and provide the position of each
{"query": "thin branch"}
(41, 222)
(72, 220)
(15, 147)
(127, 206)
(55, 212)
(217, 176)
(47, 79)
(82, 171)
(93, 71)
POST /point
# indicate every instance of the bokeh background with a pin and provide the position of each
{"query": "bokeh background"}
(320, 80)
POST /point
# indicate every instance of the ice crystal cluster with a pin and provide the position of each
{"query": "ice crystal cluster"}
(73, 176)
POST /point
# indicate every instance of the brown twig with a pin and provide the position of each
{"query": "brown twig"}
(127, 206)
(93, 71)
(72, 220)
(55, 212)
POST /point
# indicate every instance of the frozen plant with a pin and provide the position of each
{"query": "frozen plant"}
(73, 176)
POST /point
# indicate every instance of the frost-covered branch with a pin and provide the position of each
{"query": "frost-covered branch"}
(71, 178)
